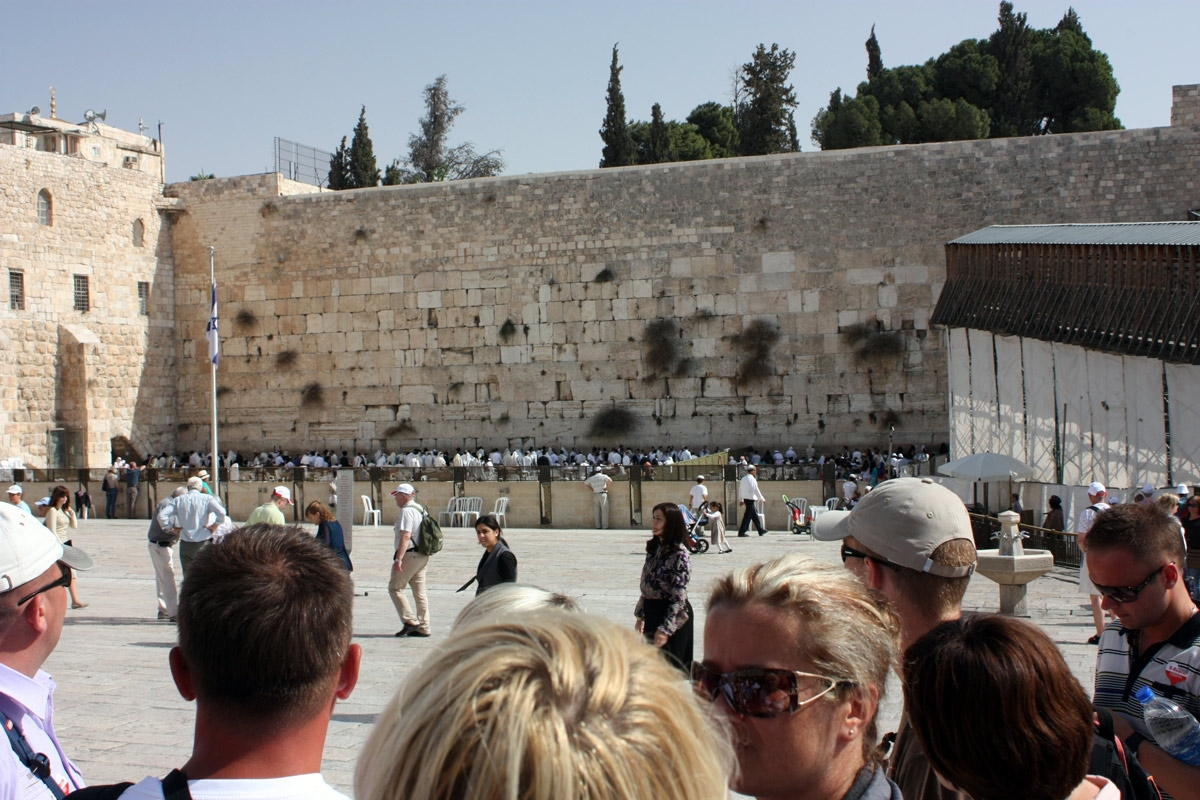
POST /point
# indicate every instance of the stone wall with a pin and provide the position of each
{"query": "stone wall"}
(99, 374)
(1185, 106)
(515, 309)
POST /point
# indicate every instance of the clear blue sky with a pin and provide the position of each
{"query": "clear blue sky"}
(225, 77)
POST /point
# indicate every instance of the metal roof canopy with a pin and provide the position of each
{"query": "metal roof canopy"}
(1128, 233)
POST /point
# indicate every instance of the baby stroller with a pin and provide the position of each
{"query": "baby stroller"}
(695, 541)
(798, 509)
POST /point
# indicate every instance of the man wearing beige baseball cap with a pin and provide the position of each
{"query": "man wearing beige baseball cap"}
(35, 570)
(911, 540)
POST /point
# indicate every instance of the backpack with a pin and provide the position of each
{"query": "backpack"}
(1111, 760)
(431, 535)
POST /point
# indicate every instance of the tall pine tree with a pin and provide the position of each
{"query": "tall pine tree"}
(339, 168)
(619, 149)
(658, 143)
(874, 56)
(762, 117)
(361, 156)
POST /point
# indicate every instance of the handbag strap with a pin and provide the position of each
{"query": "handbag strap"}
(37, 763)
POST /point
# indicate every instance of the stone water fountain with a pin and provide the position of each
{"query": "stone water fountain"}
(1012, 566)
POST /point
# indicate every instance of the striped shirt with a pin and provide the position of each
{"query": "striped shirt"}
(1171, 668)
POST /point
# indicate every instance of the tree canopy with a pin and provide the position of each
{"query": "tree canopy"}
(764, 117)
(430, 157)
(354, 167)
(619, 149)
(1020, 81)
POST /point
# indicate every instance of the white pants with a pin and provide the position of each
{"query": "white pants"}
(600, 506)
(163, 559)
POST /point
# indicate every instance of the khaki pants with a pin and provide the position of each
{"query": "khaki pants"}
(412, 574)
(600, 506)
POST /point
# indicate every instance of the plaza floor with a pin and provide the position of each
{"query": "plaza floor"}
(120, 718)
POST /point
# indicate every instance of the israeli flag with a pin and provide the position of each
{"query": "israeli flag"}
(214, 346)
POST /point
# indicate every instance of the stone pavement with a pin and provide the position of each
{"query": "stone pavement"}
(120, 717)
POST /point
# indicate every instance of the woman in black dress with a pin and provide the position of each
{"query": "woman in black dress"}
(329, 530)
(664, 615)
(498, 564)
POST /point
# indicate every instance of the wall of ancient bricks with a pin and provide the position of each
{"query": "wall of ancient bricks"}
(104, 373)
(515, 309)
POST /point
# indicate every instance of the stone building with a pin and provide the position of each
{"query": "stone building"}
(754, 301)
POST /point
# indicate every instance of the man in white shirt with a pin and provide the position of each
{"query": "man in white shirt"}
(188, 517)
(34, 572)
(1097, 497)
(408, 566)
(599, 483)
(265, 685)
(750, 496)
(698, 494)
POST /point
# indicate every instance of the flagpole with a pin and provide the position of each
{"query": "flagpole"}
(214, 357)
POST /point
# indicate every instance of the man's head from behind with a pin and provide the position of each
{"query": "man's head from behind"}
(1135, 557)
(918, 536)
(265, 619)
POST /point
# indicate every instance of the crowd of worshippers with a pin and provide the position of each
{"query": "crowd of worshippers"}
(529, 696)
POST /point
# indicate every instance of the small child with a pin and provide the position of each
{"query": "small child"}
(717, 527)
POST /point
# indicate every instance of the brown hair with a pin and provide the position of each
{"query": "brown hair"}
(265, 619)
(1146, 532)
(940, 595)
(674, 531)
(1037, 742)
(321, 510)
(59, 493)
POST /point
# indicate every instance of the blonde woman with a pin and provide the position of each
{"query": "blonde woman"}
(796, 656)
(549, 706)
(61, 519)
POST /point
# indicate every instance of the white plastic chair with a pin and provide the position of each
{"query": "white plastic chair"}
(498, 511)
(370, 512)
(832, 503)
(469, 507)
(447, 517)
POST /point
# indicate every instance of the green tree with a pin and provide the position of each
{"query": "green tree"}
(339, 168)
(762, 116)
(360, 157)
(714, 123)
(430, 158)
(1076, 90)
(658, 139)
(202, 176)
(1014, 109)
(874, 56)
(619, 148)
(847, 122)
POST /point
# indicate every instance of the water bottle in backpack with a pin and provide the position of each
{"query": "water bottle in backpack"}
(1173, 728)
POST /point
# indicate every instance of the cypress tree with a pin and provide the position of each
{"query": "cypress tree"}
(762, 118)
(339, 169)
(658, 143)
(619, 149)
(361, 156)
(874, 56)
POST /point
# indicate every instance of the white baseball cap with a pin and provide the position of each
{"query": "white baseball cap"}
(405, 488)
(1182, 489)
(1096, 487)
(285, 493)
(904, 520)
(16, 489)
(28, 548)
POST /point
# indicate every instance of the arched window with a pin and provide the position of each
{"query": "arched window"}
(45, 208)
(139, 233)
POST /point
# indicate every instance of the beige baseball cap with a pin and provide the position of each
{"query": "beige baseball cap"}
(904, 520)
(28, 548)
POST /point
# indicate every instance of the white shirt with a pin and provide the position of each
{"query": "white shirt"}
(410, 520)
(748, 489)
(1088, 516)
(293, 787)
(699, 494)
(29, 703)
(599, 482)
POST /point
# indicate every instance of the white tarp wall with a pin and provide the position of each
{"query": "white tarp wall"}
(1013, 396)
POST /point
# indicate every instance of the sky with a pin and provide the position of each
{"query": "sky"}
(224, 78)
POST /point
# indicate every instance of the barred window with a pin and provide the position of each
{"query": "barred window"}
(16, 290)
(143, 298)
(83, 298)
(45, 208)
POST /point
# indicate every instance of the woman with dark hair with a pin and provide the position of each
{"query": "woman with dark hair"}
(329, 530)
(1037, 742)
(60, 519)
(664, 615)
(1054, 517)
(498, 564)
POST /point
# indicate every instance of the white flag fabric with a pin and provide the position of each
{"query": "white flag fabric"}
(214, 346)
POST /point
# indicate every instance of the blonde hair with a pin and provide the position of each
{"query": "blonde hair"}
(551, 706)
(850, 631)
(513, 599)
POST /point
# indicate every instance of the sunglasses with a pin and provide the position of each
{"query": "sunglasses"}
(850, 552)
(65, 580)
(759, 692)
(1127, 594)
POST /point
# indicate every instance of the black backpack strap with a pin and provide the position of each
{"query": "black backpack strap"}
(175, 786)
(103, 791)
(1104, 724)
(37, 763)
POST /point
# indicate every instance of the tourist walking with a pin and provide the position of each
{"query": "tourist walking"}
(664, 614)
(716, 522)
(112, 485)
(750, 496)
(498, 564)
(329, 531)
(61, 519)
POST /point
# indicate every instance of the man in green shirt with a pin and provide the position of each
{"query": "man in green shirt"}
(271, 512)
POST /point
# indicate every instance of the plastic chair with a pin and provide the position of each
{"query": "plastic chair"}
(832, 503)
(369, 512)
(447, 517)
(469, 507)
(499, 511)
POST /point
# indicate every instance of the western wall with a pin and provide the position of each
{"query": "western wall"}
(755, 301)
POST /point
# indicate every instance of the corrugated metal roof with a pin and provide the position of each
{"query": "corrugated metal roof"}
(1129, 233)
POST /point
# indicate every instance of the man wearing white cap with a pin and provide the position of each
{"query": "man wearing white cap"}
(911, 540)
(408, 566)
(15, 493)
(1096, 496)
(271, 512)
(188, 516)
(35, 570)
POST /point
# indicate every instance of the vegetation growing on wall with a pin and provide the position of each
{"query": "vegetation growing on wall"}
(401, 428)
(756, 342)
(871, 342)
(244, 319)
(612, 423)
(286, 358)
(312, 396)
(507, 330)
(660, 346)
